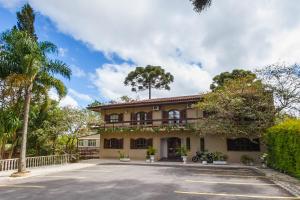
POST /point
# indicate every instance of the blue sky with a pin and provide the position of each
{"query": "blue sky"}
(82, 59)
(102, 41)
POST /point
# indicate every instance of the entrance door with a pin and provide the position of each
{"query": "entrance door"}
(174, 144)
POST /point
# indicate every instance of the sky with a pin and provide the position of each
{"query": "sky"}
(103, 40)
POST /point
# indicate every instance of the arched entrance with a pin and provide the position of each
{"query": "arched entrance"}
(174, 143)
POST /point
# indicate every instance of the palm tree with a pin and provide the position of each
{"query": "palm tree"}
(23, 57)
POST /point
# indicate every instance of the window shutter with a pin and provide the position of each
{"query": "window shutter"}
(149, 117)
(165, 116)
(132, 141)
(133, 119)
(150, 142)
(121, 143)
(121, 117)
(106, 144)
(107, 118)
(182, 116)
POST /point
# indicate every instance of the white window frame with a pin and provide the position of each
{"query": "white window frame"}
(113, 118)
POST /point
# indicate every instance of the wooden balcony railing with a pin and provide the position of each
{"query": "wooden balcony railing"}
(150, 123)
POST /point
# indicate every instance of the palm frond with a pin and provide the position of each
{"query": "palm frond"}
(58, 67)
(51, 82)
(48, 47)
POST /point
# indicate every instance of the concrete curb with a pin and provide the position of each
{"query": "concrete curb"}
(281, 183)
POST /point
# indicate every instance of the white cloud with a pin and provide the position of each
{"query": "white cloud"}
(62, 51)
(79, 95)
(230, 34)
(67, 101)
(109, 79)
(77, 72)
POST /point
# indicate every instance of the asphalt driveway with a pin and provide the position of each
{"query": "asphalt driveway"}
(137, 182)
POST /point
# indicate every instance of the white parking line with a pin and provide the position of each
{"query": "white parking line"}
(230, 175)
(22, 186)
(236, 195)
(229, 183)
(224, 170)
(104, 171)
(72, 177)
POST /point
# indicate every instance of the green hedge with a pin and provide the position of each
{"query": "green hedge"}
(283, 141)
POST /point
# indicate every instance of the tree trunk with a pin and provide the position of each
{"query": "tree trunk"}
(22, 162)
(149, 90)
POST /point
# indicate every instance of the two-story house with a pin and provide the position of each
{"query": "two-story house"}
(166, 124)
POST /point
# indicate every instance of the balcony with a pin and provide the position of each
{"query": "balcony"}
(154, 124)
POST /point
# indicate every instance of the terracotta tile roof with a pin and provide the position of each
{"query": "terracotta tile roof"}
(150, 102)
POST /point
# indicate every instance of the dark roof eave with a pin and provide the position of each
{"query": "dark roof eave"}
(143, 104)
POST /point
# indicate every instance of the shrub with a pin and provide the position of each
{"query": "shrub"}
(283, 143)
(151, 151)
(219, 156)
(182, 151)
(247, 160)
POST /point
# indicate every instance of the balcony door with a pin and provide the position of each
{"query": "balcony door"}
(174, 144)
(174, 117)
(141, 118)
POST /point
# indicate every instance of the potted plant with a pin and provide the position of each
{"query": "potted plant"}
(219, 158)
(147, 157)
(151, 151)
(264, 159)
(247, 160)
(182, 151)
(204, 158)
(123, 157)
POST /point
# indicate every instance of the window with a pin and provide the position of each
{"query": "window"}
(202, 144)
(174, 116)
(243, 144)
(91, 143)
(140, 143)
(113, 143)
(188, 143)
(113, 118)
(80, 143)
(141, 117)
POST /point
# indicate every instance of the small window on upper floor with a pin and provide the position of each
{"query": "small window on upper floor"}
(91, 143)
(80, 143)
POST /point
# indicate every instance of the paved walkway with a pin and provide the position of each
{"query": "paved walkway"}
(287, 182)
(110, 179)
(5, 176)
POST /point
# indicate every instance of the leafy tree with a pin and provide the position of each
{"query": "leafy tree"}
(26, 18)
(23, 57)
(220, 80)
(201, 5)
(95, 103)
(77, 122)
(284, 82)
(241, 107)
(146, 78)
(126, 99)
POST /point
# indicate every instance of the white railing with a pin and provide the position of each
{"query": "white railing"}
(12, 164)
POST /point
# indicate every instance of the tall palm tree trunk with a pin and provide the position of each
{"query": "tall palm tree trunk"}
(22, 163)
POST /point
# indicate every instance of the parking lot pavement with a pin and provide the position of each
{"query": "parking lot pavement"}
(136, 182)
